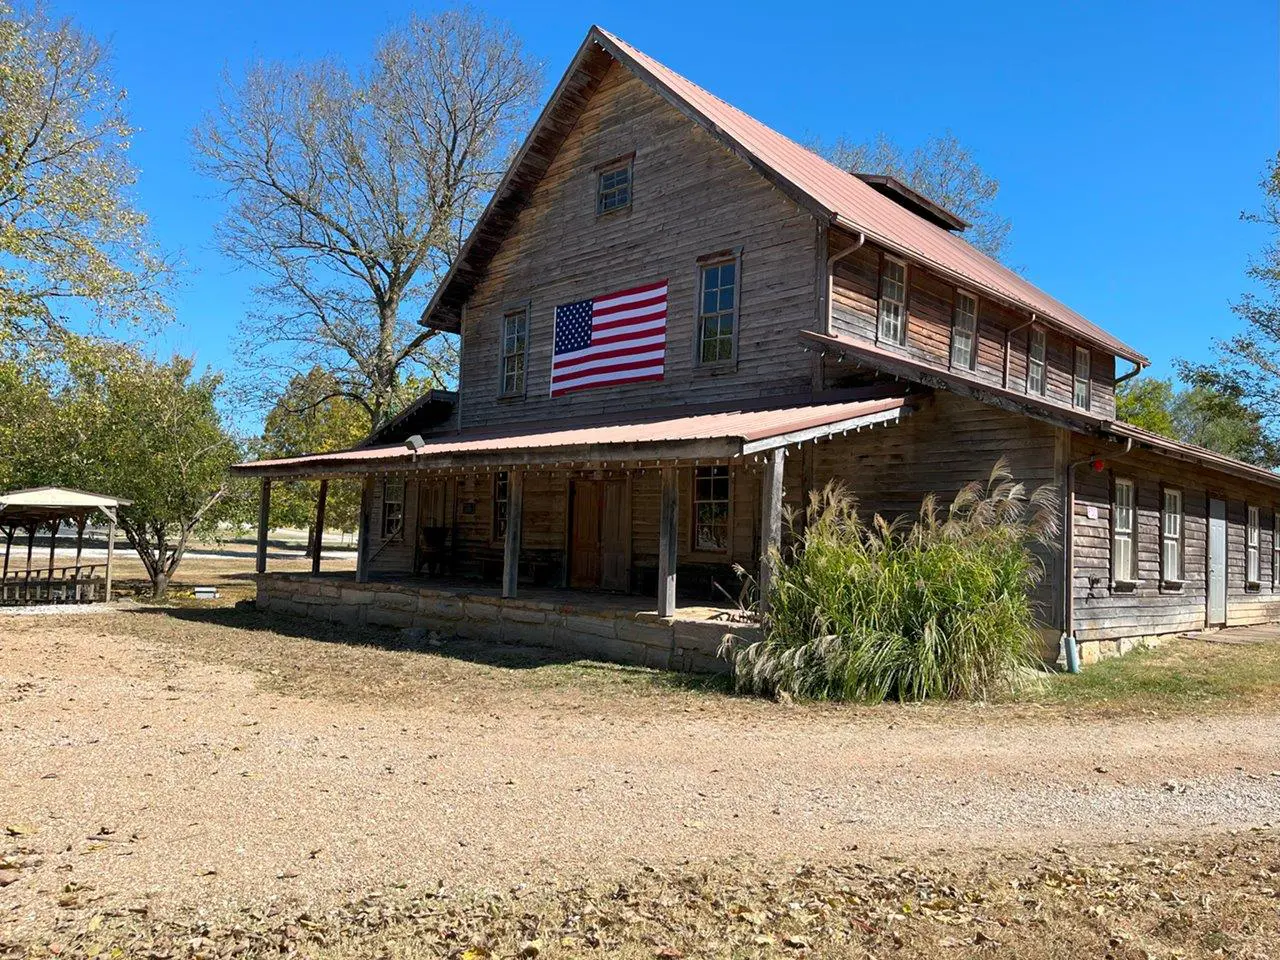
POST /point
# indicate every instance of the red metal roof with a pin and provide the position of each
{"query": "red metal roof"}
(744, 430)
(858, 206)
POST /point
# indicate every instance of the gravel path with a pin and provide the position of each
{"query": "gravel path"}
(133, 773)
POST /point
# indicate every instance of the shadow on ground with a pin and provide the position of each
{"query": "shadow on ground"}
(510, 656)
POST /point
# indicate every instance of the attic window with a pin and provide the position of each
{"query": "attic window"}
(613, 186)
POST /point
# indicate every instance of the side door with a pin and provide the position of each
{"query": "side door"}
(584, 534)
(615, 536)
(1216, 614)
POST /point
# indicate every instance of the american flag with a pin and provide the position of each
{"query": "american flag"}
(618, 338)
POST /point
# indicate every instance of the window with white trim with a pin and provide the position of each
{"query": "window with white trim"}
(1124, 554)
(964, 331)
(1275, 549)
(392, 507)
(1171, 522)
(1083, 385)
(515, 350)
(613, 187)
(1252, 546)
(1036, 379)
(717, 311)
(893, 301)
(711, 508)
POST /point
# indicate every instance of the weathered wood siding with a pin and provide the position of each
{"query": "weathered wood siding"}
(1104, 610)
(947, 443)
(930, 303)
(691, 198)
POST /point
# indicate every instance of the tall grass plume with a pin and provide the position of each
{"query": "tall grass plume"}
(931, 608)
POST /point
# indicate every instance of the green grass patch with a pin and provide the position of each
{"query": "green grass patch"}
(1178, 675)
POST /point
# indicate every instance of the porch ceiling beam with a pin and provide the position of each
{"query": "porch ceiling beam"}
(719, 448)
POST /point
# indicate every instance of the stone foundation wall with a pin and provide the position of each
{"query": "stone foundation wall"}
(643, 639)
(1092, 651)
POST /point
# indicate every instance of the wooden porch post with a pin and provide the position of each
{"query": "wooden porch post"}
(264, 518)
(315, 547)
(770, 521)
(53, 546)
(362, 531)
(668, 538)
(111, 551)
(511, 546)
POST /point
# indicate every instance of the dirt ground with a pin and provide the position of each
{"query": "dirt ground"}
(212, 759)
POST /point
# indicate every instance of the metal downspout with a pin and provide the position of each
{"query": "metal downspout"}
(831, 278)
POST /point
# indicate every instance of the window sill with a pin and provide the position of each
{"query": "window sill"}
(510, 397)
(1172, 586)
(1253, 586)
(1125, 585)
(719, 368)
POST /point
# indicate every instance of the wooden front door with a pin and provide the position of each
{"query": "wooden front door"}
(1217, 587)
(599, 534)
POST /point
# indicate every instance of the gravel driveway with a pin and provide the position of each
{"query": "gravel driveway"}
(134, 769)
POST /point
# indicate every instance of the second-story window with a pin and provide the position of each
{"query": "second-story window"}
(717, 311)
(1083, 392)
(515, 348)
(1036, 379)
(613, 187)
(964, 332)
(893, 301)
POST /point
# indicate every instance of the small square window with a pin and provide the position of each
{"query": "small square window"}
(613, 187)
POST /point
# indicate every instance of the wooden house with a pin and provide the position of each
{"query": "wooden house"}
(674, 322)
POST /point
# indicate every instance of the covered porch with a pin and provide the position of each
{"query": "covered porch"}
(637, 522)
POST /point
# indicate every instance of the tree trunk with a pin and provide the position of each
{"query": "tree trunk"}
(311, 541)
(159, 585)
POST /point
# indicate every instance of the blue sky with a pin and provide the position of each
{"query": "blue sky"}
(1127, 137)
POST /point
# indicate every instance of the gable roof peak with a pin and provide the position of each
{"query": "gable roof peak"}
(815, 184)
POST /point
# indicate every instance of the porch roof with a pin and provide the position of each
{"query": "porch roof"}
(720, 434)
(46, 504)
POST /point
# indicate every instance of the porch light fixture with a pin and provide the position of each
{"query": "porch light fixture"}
(415, 443)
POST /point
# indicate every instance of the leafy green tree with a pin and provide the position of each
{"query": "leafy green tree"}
(310, 418)
(943, 170)
(104, 416)
(1147, 402)
(1203, 414)
(68, 232)
(1248, 365)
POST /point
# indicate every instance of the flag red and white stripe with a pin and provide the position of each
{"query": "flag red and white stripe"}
(618, 338)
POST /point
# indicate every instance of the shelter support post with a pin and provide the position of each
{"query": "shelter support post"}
(31, 546)
(667, 541)
(264, 518)
(770, 523)
(511, 546)
(319, 540)
(81, 520)
(111, 552)
(4, 578)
